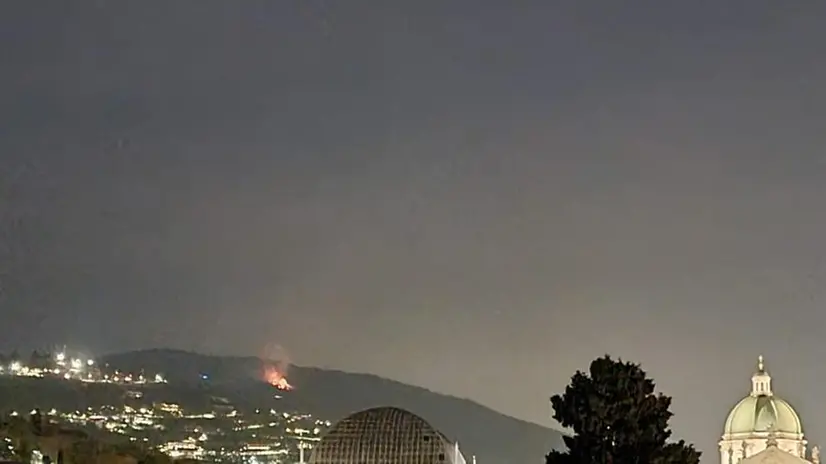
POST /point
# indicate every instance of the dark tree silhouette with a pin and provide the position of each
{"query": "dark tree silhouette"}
(85, 450)
(616, 418)
(40, 360)
(36, 420)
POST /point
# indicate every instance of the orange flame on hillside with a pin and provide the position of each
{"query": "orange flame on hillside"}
(275, 362)
(276, 379)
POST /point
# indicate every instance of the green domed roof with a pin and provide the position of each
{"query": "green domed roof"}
(762, 411)
(762, 414)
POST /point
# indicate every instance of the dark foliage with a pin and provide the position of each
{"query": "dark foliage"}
(40, 360)
(617, 418)
(36, 420)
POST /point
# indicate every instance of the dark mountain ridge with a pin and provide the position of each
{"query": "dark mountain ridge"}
(330, 394)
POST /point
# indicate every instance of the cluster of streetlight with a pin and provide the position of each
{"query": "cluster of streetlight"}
(75, 368)
(73, 365)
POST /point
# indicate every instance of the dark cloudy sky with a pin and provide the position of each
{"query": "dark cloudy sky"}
(469, 196)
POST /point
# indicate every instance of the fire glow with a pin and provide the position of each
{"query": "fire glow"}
(276, 379)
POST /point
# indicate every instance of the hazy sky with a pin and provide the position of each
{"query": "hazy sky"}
(464, 195)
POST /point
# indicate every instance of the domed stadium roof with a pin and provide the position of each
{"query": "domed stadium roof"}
(762, 412)
(384, 435)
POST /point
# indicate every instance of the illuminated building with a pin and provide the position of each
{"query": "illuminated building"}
(186, 449)
(772, 454)
(385, 436)
(763, 428)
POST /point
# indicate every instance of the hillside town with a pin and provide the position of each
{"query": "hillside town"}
(220, 434)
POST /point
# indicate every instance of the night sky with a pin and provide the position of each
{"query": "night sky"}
(464, 195)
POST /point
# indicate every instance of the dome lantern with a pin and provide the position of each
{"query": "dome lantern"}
(761, 381)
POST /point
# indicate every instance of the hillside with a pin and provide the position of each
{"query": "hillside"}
(195, 380)
(493, 437)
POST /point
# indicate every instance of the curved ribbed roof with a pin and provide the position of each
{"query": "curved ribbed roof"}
(384, 435)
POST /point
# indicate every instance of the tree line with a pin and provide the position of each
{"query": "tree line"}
(36, 359)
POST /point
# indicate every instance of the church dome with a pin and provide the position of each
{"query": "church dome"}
(762, 411)
(762, 414)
